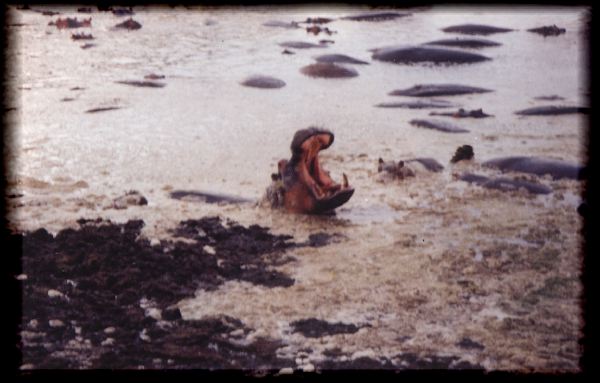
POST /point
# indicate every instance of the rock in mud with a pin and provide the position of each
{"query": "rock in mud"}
(417, 104)
(281, 24)
(341, 59)
(129, 24)
(434, 90)
(505, 184)
(328, 70)
(415, 55)
(106, 269)
(461, 113)
(376, 16)
(552, 110)
(131, 198)
(142, 84)
(263, 82)
(442, 126)
(475, 29)
(463, 153)
(539, 166)
(465, 43)
(548, 30)
(316, 328)
(301, 45)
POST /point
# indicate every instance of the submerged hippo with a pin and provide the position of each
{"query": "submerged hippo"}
(328, 70)
(376, 16)
(301, 184)
(548, 30)
(71, 23)
(552, 110)
(281, 24)
(461, 113)
(264, 82)
(442, 126)
(413, 55)
(539, 166)
(129, 24)
(405, 168)
(463, 153)
(337, 58)
(475, 29)
(419, 104)
(505, 184)
(465, 43)
(301, 45)
(433, 90)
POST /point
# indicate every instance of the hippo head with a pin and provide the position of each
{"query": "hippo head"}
(308, 188)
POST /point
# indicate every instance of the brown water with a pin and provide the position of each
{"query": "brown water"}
(426, 261)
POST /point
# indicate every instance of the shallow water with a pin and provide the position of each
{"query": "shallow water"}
(407, 242)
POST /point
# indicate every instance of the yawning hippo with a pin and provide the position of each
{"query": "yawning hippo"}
(301, 184)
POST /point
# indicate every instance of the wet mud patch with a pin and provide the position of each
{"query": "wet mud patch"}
(102, 296)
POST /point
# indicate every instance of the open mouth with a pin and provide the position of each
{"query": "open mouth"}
(309, 186)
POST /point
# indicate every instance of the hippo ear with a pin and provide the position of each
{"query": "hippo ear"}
(380, 160)
(400, 164)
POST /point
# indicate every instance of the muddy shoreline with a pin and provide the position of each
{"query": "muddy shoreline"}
(102, 296)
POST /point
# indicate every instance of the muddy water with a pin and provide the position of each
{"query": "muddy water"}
(425, 262)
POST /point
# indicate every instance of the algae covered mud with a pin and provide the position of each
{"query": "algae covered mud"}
(419, 269)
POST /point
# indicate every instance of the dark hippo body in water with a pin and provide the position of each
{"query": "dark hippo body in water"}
(376, 16)
(465, 43)
(538, 166)
(414, 55)
(505, 184)
(337, 58)
(552, 110)
(461, 113)
(328, 70)
(402, 169)
(130, 24)
(442, 126)
(463, 153)
(281, 24)
(434, 90)
(301, 45)
(419, 104)
(548, 30)
(205, 197)
(264, 82)
(429, 163)
(475, 29)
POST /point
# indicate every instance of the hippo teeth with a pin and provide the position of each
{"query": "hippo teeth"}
(345, 181)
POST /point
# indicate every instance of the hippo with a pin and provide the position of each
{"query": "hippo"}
(318, 20)
(71, 23)
(301, 45)
(337, 58)
(539, 166)
(263, 82)
(315, 30)
(376, 16)
(552, 97)
(437, 125)
(505, 184)
(328, 70)
(475, 29)
(142, 84)
(81, 36)
(548, 30)
(413, 55)
(402, 169)
(417, 104)
(130, 24)
(463, 153)
(84, 10)
(281, 24)
(432, 90)
(465, 43)
(122, 11)
(301, 185)
(552, 110)
(461, 113)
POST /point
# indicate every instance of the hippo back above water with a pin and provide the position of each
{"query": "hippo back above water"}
(539, 166)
